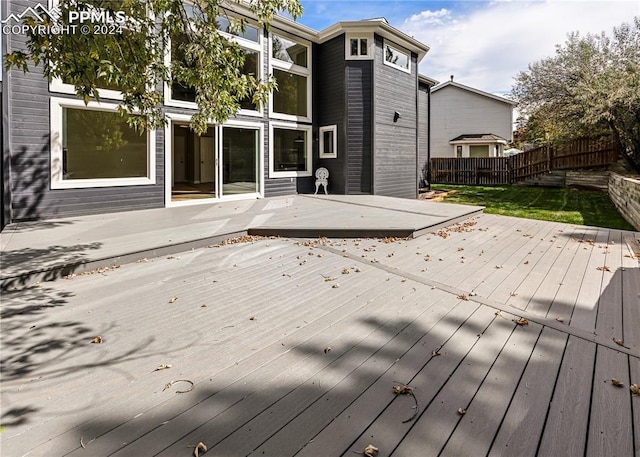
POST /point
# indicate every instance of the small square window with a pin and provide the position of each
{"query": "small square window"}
(329, 142)
(357, 47)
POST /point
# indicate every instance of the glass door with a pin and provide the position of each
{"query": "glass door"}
(193, 163)
(240, 160)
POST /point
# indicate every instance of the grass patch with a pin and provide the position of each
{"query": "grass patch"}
(572, 206)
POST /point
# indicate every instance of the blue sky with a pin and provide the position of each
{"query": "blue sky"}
(483, 43)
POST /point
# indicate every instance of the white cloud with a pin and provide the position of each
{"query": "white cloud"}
(485, 48)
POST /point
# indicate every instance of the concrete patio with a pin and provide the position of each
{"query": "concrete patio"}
(292, 346)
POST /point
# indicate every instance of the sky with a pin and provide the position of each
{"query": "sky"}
(484, 44)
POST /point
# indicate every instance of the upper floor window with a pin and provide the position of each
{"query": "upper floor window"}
(290, 65)
(359, 46)
(288, 51)
(396, 58)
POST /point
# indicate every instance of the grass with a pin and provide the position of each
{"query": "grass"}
(572, 206)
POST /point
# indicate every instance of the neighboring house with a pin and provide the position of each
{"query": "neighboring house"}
(467, 122)
(350, 100)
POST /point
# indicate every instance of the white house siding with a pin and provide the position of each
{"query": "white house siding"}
(456, 111)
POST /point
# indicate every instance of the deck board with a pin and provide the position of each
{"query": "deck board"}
(267, 387)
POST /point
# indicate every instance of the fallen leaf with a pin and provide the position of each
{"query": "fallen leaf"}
(335, 286)
(462, 411)
(521, 321)
(345, 271)
(472, 294)
(617, 382)
(327, 349)
(463, 297)
(635, 390)
(204, 305)
(369, 451)
(498, 266)
(253, 318)
(97, 340)
(357, 270)
(619, 342)
(526, 262)
(435, 353)
(198, 448)
(162, 366)
(173, 299)
(560, 319)
(603, 268)
(329, 278)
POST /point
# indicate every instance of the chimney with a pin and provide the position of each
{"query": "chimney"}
(451, 78)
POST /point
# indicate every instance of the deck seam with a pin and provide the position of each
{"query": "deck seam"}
(573, 331)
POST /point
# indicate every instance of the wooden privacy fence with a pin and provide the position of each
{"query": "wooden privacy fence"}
(581, 153)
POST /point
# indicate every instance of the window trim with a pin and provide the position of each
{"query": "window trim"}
(334, 130)
(245, 44)
(359, 36)
(295, 69)
(397, 49)
(309, 152)
(56, 106)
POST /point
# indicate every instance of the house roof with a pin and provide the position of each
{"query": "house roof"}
(478, 138)
(471, 89)
(381, 27)
(426, 80)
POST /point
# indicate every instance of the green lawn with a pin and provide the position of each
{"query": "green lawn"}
(584, 207)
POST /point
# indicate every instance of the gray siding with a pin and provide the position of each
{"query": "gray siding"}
(423, 132)
(330, 103)
(395, 143)
(359, 77)
(29, 153)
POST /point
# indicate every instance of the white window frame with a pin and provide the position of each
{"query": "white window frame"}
(245, 44)
(291, 68)
(168, 160)
(56, 105)
(334, 130)
(359, 36)
(399, 50)
(309, 152)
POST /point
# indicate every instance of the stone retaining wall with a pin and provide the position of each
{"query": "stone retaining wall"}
(625, 194)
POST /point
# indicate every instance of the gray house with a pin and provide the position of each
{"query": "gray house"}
(350, 100)
(468, 122)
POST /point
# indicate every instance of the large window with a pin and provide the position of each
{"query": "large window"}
(397, 58)
(290, 64)
(290, 151)
(94, 146)
(249, 40)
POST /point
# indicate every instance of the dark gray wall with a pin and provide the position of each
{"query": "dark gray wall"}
(359, 78)
(29, 153)
(395, 143)
(423, 132)
(329, 97)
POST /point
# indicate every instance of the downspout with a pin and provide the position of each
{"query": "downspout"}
(428, 137)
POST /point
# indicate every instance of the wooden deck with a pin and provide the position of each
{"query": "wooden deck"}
(294, 346)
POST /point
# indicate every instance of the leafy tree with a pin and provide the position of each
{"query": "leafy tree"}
(591, 85)
(134, 60)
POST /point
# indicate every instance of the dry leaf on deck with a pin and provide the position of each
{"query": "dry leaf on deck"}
(560, 319)
(162, 366)
(463, 297)
(603, 268)
(345, 271)
(617, 382)
(173, 299)
(619, 342)
(635, 390)
(521, 321)
(327, 349)
(335, 286)
(253, 318)
(200, 448)
(97, 340)
(498, 266)
(462, 411)
(369, 451)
